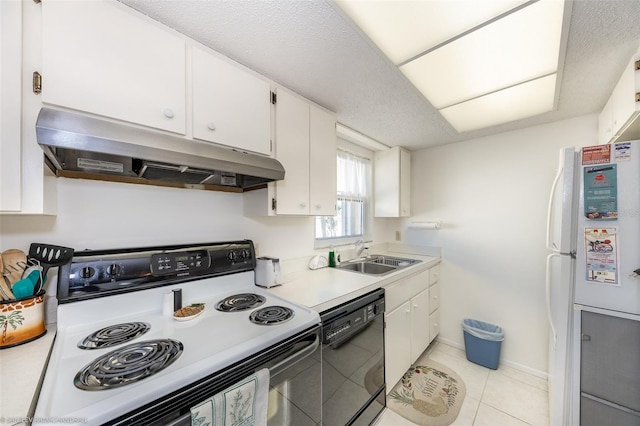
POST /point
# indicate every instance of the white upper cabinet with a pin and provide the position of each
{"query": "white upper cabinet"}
(26, 185)
(322, 162)
(292, 150)
(100, 58)
(305, 144)
(230, 106)
(619, 121)
(392, 183)
(10, 105)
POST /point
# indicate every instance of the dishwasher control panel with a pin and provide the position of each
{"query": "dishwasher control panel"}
(354, 316)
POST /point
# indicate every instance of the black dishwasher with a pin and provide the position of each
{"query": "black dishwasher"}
(353, 387)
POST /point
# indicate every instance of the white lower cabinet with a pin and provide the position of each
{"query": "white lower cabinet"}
(408, 331)
(419, 324)
(397, 344)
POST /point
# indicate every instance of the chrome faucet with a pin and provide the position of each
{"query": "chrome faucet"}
(360, 246)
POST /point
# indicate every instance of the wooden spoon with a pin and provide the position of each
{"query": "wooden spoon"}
(1, 278)
(5, 288)
(14, 261)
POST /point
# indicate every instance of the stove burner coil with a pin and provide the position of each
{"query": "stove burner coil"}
(114, 335)
(271, 315)
(128, 364)
(240, 302)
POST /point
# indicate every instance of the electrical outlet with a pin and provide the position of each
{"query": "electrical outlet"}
(398, 236)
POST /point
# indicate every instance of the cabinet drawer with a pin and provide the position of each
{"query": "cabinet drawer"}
(399, 292)
(434, 297)
(434, 325)
(434, 274)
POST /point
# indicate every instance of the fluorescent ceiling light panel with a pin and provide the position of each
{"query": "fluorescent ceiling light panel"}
(514, 103)
(403, 29)
(519, 47)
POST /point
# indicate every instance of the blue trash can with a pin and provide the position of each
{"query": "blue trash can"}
(482, 342)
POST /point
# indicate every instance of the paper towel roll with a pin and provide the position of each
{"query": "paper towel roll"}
(425, 225)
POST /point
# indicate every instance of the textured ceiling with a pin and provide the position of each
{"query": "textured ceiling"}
(309, 47)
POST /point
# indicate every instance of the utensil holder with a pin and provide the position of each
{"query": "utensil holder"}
(22, 320)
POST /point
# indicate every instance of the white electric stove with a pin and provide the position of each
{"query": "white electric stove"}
(118, 359)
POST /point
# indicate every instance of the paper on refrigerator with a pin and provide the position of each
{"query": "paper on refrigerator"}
(601, 247)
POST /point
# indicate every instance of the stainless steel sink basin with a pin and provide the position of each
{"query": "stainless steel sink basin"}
(368, 268)
(377, 264)
(391, 260)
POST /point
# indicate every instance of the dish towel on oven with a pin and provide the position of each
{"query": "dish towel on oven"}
(242, 404)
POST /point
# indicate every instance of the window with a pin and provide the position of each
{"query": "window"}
(352, 200)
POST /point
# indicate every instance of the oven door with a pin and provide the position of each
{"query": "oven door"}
(294, 395)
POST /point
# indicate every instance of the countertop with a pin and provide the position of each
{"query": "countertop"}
(324, 288)
(21, 367)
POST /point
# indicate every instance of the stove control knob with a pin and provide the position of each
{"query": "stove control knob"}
(114, 269)
(87, 272)
(246, 254)
(232, 256)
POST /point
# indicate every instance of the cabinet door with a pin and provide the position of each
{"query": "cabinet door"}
(397, 344)
(230, 105)
(392, 183)
(605, 120)
(623, 102)
(102, 58)
(405, 183)
(419, 324)
(292, 150)
(322, 163)
(10, 105)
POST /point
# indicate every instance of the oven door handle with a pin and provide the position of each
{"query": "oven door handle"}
(298, 356)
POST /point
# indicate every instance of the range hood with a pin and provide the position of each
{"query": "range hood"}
(86, 147)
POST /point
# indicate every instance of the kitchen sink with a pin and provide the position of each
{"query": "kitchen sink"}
(368, 268)
(399, 262)
(377, 264)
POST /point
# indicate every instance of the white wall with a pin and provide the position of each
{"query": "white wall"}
(491, 195)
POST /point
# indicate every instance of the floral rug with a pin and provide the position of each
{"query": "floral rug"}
(429, 394)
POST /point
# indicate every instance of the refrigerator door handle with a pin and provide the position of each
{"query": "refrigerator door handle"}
(550, 210)
(548, 295)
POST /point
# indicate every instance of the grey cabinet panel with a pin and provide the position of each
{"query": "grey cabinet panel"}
(594, 413)
(610, 360)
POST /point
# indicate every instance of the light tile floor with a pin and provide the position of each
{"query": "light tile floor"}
(502, 397)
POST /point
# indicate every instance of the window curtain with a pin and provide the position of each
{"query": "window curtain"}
(352, 195)
(352, 176)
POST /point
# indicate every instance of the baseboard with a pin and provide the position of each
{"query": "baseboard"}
(515, 365)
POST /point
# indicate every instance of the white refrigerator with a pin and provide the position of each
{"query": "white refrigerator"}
(559, 285)
(593, 293)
